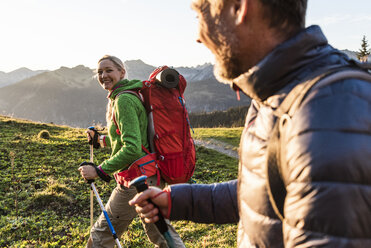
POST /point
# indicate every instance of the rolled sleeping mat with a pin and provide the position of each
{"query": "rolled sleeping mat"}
(168, 78)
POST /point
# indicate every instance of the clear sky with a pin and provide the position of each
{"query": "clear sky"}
(48, 34)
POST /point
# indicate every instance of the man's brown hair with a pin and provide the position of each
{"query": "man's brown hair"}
(285, 15)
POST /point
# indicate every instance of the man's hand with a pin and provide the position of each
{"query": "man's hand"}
(145, 209)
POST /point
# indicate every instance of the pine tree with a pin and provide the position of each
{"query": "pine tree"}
(364, 52)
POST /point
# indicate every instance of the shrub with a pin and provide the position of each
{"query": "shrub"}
(44, 134)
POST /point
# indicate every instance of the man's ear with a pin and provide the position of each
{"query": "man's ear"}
(241, 7)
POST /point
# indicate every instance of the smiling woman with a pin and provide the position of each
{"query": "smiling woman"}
(127, 137)
(110, 71)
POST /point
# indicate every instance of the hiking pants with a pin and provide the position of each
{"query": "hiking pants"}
(121, 214)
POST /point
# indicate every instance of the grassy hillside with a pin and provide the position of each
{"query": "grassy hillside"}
(45, 203)
(230, 136)
(233, 117)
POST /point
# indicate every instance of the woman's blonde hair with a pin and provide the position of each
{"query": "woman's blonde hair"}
(120, 66)
(116, 61)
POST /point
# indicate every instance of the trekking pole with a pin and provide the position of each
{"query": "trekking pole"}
(114, 235)
(91, 191)
(140, 184)
(93, 143)
(94, 189)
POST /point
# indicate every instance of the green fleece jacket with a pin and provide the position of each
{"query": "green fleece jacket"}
(131, 118)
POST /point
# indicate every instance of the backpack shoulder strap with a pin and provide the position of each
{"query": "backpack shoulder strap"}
(292, 102)
(133, 92)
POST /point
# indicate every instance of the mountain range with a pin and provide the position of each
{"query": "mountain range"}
(72, 96)
(16, 76)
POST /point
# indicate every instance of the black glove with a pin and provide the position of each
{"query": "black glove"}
(94, 140)
(102, 176)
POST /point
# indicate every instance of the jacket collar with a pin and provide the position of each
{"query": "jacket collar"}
(283, 64)
(125, 85)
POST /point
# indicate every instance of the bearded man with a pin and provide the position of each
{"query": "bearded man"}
(263, 48)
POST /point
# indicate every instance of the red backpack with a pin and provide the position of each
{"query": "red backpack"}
(172, 151)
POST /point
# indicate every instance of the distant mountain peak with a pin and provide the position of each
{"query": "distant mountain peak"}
(135, 61)
(353, 55)
(17, 76)
(77, 67)
(22, 69)
(82, 67)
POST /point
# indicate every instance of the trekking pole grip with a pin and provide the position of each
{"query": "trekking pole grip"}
(140, 185)
(94, 140)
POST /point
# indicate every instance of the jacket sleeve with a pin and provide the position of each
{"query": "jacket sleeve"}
(205, 203)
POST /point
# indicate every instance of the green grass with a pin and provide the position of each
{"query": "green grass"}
(230, 136)
(45, 203)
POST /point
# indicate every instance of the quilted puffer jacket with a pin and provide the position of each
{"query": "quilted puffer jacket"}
(328, 152)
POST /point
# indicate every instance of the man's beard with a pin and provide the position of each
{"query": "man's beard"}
(227, 63)
(226, 69)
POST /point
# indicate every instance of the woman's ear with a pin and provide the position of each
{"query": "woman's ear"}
(123, 73)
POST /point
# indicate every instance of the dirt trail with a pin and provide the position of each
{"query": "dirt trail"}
(218, 146)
